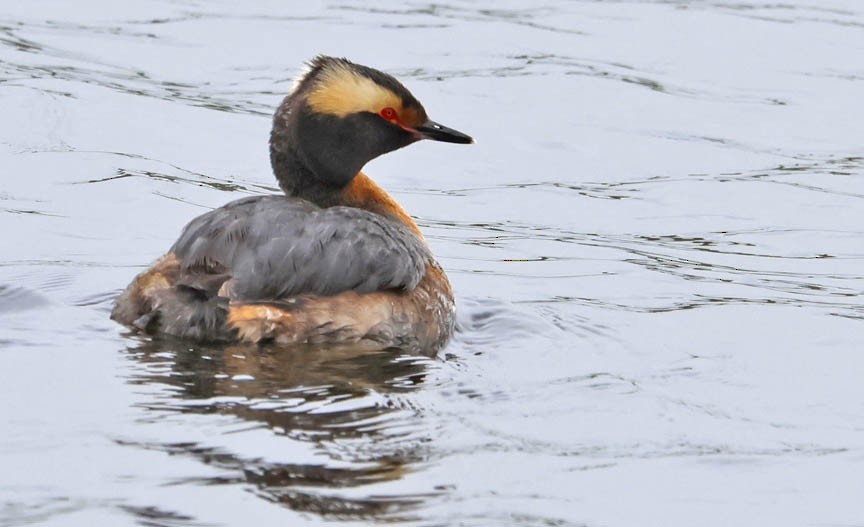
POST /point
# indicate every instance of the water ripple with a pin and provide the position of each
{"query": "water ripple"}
(55, 64)
(14, 299)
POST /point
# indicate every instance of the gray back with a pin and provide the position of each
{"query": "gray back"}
(276, 247)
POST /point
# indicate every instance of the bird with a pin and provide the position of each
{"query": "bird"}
(334, 260)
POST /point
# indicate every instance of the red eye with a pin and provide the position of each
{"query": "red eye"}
(389, 114)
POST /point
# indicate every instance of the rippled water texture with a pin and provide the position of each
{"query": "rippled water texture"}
(657, 244)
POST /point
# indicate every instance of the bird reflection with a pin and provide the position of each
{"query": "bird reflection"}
(349, 403)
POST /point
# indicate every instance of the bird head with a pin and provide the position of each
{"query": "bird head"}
(341, 115)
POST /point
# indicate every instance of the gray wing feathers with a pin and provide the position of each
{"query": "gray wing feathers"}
(213, 239)
(275, 247)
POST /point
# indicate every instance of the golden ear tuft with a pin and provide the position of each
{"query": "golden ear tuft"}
(340, 91)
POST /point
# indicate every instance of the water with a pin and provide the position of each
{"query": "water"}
(656, 245)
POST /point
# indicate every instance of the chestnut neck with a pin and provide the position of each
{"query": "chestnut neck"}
(364, 193)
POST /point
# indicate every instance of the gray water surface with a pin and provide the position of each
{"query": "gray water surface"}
(657, 246)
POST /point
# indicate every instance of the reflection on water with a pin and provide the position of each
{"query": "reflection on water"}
(343, 403)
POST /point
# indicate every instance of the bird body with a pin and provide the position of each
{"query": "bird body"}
(334, 261)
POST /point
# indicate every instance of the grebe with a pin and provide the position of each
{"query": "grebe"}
(336, 260)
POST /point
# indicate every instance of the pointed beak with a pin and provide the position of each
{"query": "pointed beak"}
(438, 132)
